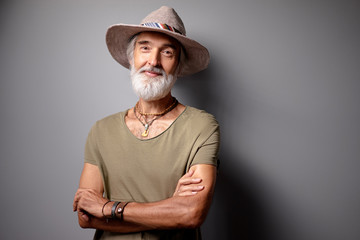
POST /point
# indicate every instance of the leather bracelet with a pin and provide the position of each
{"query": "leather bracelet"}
(102, 210)
(113, 208)
(120, 210)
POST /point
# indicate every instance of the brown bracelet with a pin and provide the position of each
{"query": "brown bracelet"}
(120, 210)
(113, 208)
(102, 210)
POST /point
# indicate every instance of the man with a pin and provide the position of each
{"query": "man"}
(150, 171)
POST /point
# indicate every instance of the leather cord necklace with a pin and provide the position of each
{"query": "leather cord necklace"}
(157, 116)
(168, 109)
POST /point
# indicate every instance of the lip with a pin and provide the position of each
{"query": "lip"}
(152, 74)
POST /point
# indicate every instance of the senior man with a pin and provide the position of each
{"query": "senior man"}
(150, 171)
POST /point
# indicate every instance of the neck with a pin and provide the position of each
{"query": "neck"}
(155, 106)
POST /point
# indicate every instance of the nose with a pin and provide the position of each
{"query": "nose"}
(154, 58)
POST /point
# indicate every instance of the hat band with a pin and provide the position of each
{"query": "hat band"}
(161, 26)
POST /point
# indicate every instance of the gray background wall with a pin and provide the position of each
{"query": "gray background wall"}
(283, 83)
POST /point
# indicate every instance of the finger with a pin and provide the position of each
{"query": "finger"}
(74, 206)
(189, 173)
(191, 188)
(77, 197)
(188, 193)
(189, 181)
(75, 202)
(84, 216)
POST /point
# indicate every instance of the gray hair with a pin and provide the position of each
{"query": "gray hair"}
(130, 54)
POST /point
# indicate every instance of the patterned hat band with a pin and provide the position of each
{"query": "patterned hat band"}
(161, 26)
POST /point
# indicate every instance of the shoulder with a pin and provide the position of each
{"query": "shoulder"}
(109, 122)
(201, 126)
(198, 117)
(198, 122)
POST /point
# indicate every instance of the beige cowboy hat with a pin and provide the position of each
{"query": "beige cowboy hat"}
(164, 20)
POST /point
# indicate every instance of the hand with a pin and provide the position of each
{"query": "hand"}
(84, 219)
(88, 202)
(187, 185)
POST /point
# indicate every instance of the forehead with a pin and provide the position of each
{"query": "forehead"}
(157, 39)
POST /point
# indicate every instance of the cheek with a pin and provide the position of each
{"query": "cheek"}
(137, 63)
(139, 60)
(170, 66)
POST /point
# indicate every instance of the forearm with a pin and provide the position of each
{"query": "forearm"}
(187, 211)
(172, 213)
(112, 225)
(177, 212)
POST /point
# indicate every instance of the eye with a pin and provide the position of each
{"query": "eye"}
(144, 48)
(168, 53)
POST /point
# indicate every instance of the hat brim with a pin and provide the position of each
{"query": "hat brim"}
(119, 35)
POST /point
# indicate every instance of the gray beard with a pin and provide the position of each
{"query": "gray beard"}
(149, 88)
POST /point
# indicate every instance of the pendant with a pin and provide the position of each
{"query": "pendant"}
(146, 132)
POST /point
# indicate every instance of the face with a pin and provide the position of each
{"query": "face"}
(154, 65)
(157, 50)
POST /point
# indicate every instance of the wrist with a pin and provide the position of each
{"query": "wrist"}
(119, 212)
(114, 210)
(106, 209)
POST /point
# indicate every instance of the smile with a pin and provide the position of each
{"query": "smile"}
(152, 73)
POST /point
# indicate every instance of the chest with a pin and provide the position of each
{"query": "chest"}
(147, 128)
(145, 170)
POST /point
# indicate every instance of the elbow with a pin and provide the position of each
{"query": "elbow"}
(195, 218)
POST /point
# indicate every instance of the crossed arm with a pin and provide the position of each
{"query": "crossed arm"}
(187, 208)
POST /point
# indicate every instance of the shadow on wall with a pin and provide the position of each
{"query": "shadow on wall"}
(237, 211)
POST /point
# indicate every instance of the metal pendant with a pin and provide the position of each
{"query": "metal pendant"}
(145, 133)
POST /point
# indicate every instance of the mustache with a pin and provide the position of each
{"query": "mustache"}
(152, 69)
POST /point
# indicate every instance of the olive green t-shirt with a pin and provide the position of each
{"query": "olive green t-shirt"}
(148, 170)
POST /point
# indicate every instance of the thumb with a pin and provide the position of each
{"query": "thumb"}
(84, 216)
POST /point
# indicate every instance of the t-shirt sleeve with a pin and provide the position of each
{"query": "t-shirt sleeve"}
(208, 151)
(92, 154)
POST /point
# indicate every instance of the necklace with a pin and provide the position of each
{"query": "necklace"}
(146, 124)
(168, 109)
(157, 115)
